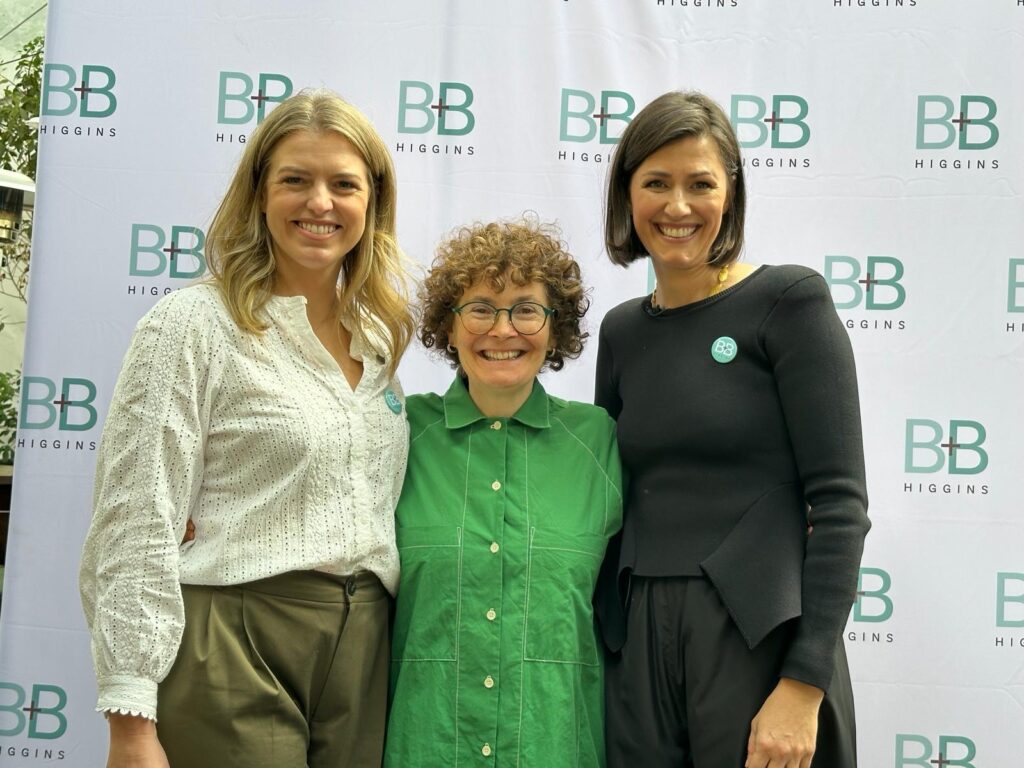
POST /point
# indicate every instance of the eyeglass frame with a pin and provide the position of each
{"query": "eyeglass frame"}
(548, 312)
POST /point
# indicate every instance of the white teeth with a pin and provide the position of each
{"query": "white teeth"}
(510, 355)
(677, 231)
(317, 229)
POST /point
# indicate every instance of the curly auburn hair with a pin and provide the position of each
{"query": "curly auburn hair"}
(523, 251)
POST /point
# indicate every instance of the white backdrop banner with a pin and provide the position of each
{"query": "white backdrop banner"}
(883, 147)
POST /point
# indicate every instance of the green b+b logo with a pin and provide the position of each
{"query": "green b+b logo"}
(451, 115)
(940, 123)
(879, 288)
(784, 128)
(72, 410)
(962, 451)
(873, 604)
(1015, 286)
(237, 103)
(581, 123)
(152, 256)
(41, 713)
(1010, 600)
(912, 749)
(65, 92)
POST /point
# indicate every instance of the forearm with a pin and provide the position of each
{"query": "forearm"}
(817, 382)
(134, 743)
(133, 606)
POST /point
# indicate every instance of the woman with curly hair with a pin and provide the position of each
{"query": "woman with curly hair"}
(509, 501)
(262, 407)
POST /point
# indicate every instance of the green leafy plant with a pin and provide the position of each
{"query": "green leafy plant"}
(19, 103)
(18, 149)
(10, 389)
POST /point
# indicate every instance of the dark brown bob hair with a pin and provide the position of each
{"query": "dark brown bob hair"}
(671, 116)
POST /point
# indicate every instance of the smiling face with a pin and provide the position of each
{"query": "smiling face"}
(315, 200)
(501, 364)
(678, 196)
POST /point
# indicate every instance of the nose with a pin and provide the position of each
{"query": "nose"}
(319, 200)
(677, 204)
(502, 327)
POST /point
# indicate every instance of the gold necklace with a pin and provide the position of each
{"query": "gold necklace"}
(718, 287)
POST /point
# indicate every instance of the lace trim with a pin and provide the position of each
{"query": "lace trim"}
(126, 711)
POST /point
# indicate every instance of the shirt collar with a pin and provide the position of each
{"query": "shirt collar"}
(365, 346)
(460, 410)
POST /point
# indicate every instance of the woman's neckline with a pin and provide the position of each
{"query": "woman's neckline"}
(652, 311)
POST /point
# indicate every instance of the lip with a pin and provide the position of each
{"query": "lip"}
(661, 227)
(301, 224)
(483, 353)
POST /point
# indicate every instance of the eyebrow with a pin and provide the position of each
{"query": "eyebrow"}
(300, 169)
(661, 174)
(515, 299)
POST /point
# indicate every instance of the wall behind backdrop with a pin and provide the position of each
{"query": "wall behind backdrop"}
(883, 147)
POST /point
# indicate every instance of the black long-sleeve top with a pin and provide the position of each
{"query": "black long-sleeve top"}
(748, 470)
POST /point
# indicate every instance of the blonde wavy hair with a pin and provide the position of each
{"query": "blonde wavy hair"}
(373, 286)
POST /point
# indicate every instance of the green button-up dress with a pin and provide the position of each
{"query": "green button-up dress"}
(502, 526)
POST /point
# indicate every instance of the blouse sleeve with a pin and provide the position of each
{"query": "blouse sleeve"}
(606, 393)
(148, 472)
(616, 484)
(608, 605)
(817, 383)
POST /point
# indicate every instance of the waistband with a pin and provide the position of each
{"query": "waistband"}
(318, 586)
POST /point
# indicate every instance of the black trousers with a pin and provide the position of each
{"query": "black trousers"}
(685, 687)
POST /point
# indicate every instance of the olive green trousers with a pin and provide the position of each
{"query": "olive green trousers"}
(285, 672)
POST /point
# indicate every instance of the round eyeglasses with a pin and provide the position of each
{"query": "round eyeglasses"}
(526, 317)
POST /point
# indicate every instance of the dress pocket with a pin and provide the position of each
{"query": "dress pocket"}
(428, 593)
(561, 575)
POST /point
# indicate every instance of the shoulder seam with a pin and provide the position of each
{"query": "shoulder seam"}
(425, 429)
(608, 480)
(780, 297)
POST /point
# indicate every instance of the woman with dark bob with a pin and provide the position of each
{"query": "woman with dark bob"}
(509, 501)
(260, 406)
(736, 399)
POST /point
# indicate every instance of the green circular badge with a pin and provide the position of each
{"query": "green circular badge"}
(393, 402)
(723, 350)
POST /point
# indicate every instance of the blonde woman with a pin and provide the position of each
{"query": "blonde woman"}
(262, 406)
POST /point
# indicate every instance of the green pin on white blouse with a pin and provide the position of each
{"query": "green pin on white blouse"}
(724, 349)
(392, 401)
